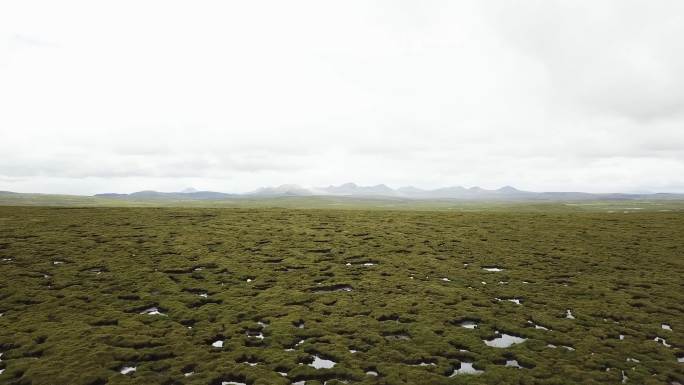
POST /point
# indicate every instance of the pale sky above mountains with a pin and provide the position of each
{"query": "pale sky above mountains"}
(232, 95)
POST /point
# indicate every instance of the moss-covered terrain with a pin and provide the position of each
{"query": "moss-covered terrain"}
(262, 296)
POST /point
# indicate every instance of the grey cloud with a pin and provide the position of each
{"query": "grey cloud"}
(31, 41)
(170, 166)
(621, 58)
(542, 95)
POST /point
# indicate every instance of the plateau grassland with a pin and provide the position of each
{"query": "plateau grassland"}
(97, 295)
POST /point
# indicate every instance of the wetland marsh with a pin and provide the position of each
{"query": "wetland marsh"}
(283, 296)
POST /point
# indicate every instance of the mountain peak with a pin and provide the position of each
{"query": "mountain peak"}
(283, 189)
(508, 189)
(289, 186)
(354, 189)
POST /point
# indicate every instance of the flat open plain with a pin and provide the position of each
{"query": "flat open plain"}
(277, 296)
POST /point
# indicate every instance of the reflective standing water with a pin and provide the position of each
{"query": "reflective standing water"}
(504, 341)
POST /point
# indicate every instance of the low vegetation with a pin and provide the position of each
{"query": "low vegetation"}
(278, 296)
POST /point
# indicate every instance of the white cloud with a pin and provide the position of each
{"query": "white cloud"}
(544, 95)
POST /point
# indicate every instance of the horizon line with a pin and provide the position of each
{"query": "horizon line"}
(316, 190)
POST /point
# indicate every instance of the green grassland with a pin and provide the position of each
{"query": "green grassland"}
(378, 292)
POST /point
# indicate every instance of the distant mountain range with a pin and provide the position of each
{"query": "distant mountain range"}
(183, 195)
(506, 193)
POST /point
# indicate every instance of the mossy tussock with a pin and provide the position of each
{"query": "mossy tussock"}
(87, 293)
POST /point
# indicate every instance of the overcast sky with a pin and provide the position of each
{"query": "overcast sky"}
(120, 96)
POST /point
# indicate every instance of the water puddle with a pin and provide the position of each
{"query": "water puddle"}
(537, 326)
(321, 363)
(662, 341)
(152, 311)
(568, 314)
(504, 341)
(127, 369)
(291, 349)
(257, 335)
(516, 301)
(423, 363)
(493, 269)
(566, 347)
(513, 364)
(466, 368)
(367, 264)
(217, 344)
